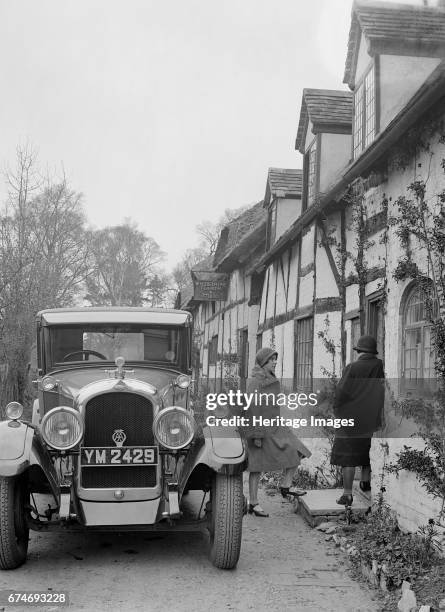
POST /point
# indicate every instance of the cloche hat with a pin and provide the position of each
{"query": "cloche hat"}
(366, 344)
(263, 355)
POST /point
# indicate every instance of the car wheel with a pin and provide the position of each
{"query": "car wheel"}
(14, 531)
(226, 520)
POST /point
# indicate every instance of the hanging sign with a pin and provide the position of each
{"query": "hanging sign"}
(209, 286)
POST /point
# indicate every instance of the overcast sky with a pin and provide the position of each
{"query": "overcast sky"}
(167, 112)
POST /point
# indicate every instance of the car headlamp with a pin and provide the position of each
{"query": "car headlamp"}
(14, 411)
(49, 383)
(174, 427)
(183, 381)
(62, 428)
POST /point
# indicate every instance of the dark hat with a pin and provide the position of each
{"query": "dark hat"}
(366, 344)
(263, 355)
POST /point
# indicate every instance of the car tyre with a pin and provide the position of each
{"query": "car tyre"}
(14, 530)
(226, 520)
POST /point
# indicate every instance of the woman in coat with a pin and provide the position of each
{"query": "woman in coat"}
(359, 395)
(269, 448)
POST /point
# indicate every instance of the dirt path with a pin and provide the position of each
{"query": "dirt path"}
(284, 564)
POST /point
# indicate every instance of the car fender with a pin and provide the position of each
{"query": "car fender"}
(20, 448)
(220, 449)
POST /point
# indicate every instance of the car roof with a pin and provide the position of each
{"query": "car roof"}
(111, 315)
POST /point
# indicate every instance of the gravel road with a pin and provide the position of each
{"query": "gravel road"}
(284, 564)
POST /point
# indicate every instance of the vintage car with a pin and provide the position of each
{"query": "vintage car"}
(113, 441)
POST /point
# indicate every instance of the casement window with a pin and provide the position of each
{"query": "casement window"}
(310, 164)
(365, 112)
(213, 350)
(271, 225)
(304, 354)
(418, 354)
(355, 335)
(375, 323)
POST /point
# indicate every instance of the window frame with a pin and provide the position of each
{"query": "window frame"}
(374, 301)
(302, 341)
(311, 160)
(414, 386)
(363, 99)
(355, 335)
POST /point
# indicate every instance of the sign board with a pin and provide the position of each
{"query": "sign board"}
(210, 286)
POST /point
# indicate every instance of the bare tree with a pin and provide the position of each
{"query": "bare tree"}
(43, 261)
(181, 272)
(210, 232)
(123, 262)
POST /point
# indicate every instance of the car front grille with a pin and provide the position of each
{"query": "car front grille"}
(106, 413)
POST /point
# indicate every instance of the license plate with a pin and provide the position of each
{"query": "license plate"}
(126, 455)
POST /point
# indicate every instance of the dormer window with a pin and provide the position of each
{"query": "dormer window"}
(271, 225)
(311, 173)
(364, 112)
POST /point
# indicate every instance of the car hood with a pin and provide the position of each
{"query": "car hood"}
(70, 382)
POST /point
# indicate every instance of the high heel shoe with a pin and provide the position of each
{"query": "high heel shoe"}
(364, 485)
(285, 491)
(345, 500)
(256, 510)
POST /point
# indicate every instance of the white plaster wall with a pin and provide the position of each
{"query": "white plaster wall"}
(306, 295)
(307, 247)
(271, 291)
(288, 211)
(293, 279)
(253, 313)
(288, 351)
(325, 280)
(335, 154)
(400, 78)
(262, 312)
(352, 301)
(280, 295)
(268, 338)
(405, 494)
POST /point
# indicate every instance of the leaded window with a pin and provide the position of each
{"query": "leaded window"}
(364, 112)
(418, 349)
(304, 354)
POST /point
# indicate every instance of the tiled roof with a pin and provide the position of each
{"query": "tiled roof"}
(234, 232)
(326, 109)
(400, 29)
(205, 265)
(284, 182)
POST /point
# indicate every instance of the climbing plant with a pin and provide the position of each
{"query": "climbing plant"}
(419, 224)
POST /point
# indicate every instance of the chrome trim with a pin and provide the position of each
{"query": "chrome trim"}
(120, 512)
(131, 386)
(128, 385)
(53, 411)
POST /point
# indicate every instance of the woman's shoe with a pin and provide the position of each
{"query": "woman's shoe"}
(256, 510)
(285, 491)
(345, 500)
(365, 485)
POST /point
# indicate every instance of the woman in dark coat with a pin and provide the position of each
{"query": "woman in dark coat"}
(269, 448)
(359, 395)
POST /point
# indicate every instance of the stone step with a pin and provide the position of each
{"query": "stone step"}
(319, 505)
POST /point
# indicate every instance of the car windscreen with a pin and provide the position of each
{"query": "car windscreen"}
(94, 343)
